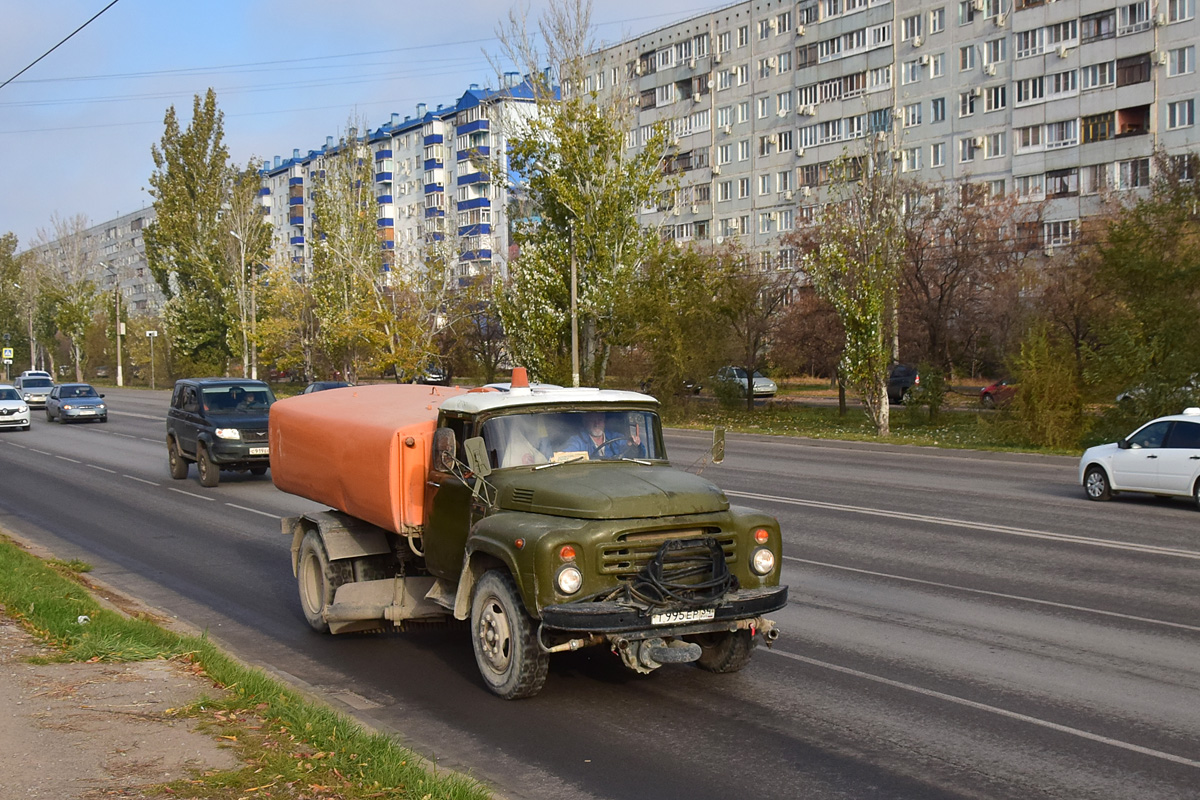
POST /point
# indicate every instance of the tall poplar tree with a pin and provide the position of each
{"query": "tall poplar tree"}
(187, 244)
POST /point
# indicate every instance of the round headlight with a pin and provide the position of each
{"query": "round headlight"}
(228, 433)
(569, 579)
(763, 561)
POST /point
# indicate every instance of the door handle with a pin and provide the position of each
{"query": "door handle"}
(1193, 458)
(1151, 456)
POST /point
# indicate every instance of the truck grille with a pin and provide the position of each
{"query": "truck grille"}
(632, 551)
(254, 436)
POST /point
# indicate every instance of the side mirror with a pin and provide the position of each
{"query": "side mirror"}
(477, 456)
(444, 445)
(1124, 444)
(102, 394)
(718, 446)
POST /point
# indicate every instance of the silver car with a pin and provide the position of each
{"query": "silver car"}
(75, 402)
(34, 389)
(763, 386)
(14, 411)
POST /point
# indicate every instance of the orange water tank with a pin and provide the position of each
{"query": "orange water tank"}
(360, 449)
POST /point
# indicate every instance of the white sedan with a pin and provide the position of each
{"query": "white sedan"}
(14, 411)
(1162, 457)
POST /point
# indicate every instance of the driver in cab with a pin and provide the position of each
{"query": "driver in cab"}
(599, 442)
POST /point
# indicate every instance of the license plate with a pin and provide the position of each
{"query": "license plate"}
(260, 451)
(83, 412)
(679, 617)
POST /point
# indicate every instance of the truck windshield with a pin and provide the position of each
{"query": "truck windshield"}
(558, 436)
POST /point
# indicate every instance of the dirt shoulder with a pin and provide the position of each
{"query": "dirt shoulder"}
(92, 730)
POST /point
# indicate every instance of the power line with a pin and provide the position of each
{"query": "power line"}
(60, 44)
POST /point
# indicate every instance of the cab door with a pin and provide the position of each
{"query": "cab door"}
(449, 511)
(1136, 467)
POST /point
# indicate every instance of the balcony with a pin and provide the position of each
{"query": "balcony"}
(434, 163)
(296, 240)
(474, 202)
(482, 151)
(384, 199)
(385, 222)
(380, 155)
(471, 127)
(383, 177)
(434, 138)
(296, 181)
(264, 191)
(295, 201)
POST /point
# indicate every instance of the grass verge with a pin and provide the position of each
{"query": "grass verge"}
(290, 747)
(953, 429)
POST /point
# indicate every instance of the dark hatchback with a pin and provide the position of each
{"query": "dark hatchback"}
(219, 423)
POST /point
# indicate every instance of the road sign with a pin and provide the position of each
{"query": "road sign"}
(8, 353)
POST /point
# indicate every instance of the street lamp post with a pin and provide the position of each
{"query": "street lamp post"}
(151, 335)
(117, 297)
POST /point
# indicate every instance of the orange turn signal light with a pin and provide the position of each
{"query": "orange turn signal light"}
(567, 553)
(761, 535)
(520, 543)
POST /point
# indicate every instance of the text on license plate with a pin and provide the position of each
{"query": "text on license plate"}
(260, 451)
(677, 617)
(86, 411)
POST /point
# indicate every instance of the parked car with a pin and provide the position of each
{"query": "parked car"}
(14, 411)
(902, 380)
(221, 424)
(997, 395)
(433, 375)
(1162, 457)
(35, 389)
(1185, 393)
(320, 386)
(736, 376)
(75, 402)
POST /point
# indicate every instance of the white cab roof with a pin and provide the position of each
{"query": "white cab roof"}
(478, 402)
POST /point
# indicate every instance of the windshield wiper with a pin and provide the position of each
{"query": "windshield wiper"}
(549, 464)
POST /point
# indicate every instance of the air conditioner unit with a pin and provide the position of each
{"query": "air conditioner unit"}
(675, 211)
(1161, 58)
(691, 63)
(917, 41)
(781, 113)
(1062, 51)
(881, 136)
(1049, 250)
(1160, 20)
(977, 5)
(787, 195)
(1001, 20)
(726, 129)
(977, 91)
(773, 23)
(772, 62)
(773, 138)
(799, 30)
(717, 58)
(806, 191)
(810, 110)
(977, 141)
(696, 97)
(637, 70)
(716, 169)
(695, 209)
(733, 224)
(897, 112)
(799, 152)
(924, 60)
(989, 69)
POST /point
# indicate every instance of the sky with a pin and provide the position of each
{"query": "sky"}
(76, 129)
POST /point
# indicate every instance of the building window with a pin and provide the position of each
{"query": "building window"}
(1181, 61)
(785, 61)
(1058, 233)
(1133, 174)
(786, 139)
(764, 29)
(1179, 10)
(783, 103)
(910, 72)
(1064, 33)
(744, 150)
(724, 154)
(1030, 187)
(993, 51)
(1030, 90)
(743, 188)
(937, 109)
(993, 146)
(937, 65)
(1062, 84)
(912, 115)
(995, 98)
(966, 150)
(1097, 128)
(910, 27)
(743, 111)
(910, 160)
(764, 184)
(1095, 27)
(1133, 17)
(1096, 76)
(966, 103)
(742, 74)
(1029, 43)
(1093, 178)
(724, 191)
(1181, 114)
(966, 12)
(966, 58)
(1133, 70)
(743, 36)
(1061, 134)
(937, 20)
(724, 116)
(937, 155)
(1062, 182)
(1028, 138)
(764, 107)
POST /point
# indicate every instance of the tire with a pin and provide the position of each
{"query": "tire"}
(176, 463)
(104, 418)
(48, 417)
(1096, 485)
(987, 401)
(62, 419)
(316, 580)
(26, 427)
(726, 651)
(210, 473)
(1195, 490)
(903, 400)
(504, 637)
(258, 470)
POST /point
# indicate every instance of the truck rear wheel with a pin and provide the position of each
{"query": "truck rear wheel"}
(504, 637)
(316, 580)
(727, 651)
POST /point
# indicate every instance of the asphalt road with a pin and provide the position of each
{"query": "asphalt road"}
(961, 625)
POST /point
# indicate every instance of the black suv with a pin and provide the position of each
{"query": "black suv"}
(220, 423)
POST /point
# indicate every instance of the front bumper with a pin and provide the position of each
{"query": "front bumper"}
(609, 617)
(84, 413)
(14, 420)
(240, 454)
(35, 401)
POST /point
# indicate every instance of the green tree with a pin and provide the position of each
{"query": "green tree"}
(1048, 406)
(187, 245)
(1150, 261)
(853, 255)
(586, 187)
(247, 248)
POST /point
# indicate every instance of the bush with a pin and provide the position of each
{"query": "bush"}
(1048, 406)
(929, 394)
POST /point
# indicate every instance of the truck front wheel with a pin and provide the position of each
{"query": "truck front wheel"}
(727, 651)
(317, 582)
(505, 639)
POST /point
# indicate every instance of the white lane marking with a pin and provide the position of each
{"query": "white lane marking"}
(140, 480)
(125, 435)
(73, 461)
(159, 417)
(253, 511)
(156, 441)
(1115, 544)
(1095, 737)
(103, 469)
(14, 444)
(1001, 595)
(43, 452)
(191, 494)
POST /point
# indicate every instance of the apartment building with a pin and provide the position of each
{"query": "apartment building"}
(112, 255)
(433, 183)
(1047, 99)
